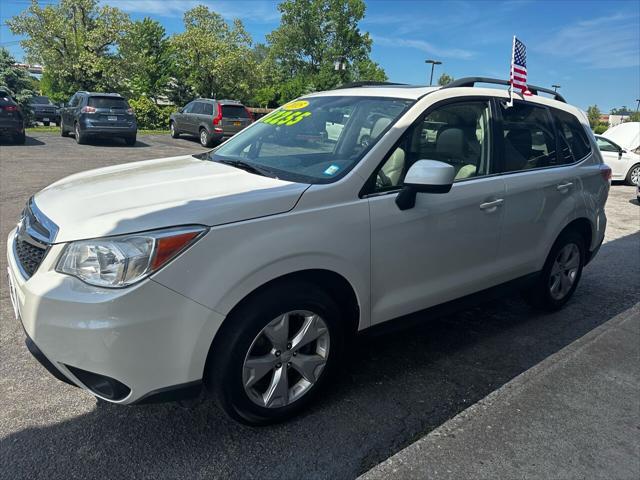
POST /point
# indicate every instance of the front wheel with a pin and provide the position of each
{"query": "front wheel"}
(633, 176)
(561, 273)
(46, 124)
(172, 129)
(63, 131)
(276, 353)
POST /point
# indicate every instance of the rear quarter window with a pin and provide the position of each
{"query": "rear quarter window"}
(108, 102)
(234, 111)
(573, 142)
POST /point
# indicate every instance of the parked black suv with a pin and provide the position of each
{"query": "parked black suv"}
(91, 114)
(211, 120)
(11, 118)
(44, 111)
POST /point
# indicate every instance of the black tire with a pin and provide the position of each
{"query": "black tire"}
(63, 131)
(172, 130)
(131, 141)
(57, 124)
(633, 171)
(205, 138)
(19, 138)
(539, 294)
(81, 138)
(224, 372)
(46, 124)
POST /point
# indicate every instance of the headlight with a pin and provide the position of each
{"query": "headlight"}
(124, 260)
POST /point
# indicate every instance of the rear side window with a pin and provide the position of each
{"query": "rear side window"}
(573, 143)
(528, 138)
(108, 102)
(234, 111)
(207, 109)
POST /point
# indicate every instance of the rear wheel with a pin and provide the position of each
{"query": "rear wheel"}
(63, 130)
(633, 176)
(205, 138)
(19, 138)
(172, 129)
(81, 139)
(561, 273)
(130, 140)
(46, 124)
(277, 352)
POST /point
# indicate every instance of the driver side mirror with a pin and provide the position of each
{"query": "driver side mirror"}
(425, 176)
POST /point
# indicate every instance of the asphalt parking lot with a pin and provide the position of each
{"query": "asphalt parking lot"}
(394, 389)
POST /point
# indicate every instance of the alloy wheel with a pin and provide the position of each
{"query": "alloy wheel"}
(203, 137)
(286, 359)
(635, 175)
(564, 271)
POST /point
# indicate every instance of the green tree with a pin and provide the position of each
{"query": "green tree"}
(315, 34)
(145, 59)
(634, 117)
(445, 79)
(593, 114)
(16, 81)
(75, 41)
(212, 56)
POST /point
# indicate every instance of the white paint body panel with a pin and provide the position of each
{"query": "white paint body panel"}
(157, 333)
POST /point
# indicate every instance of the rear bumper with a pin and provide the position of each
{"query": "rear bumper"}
(11, 126)
(91, 127)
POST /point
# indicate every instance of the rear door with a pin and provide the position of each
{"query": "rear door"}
(235, 117)
(110, 111)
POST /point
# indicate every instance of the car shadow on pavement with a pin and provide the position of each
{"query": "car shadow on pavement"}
(392, 389)
(113, 142)
(29, 141)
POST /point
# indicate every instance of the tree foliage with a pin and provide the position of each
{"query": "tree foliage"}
(15, 81)
(445, 79)
(75, 40)
(145, 59)
(593, 114)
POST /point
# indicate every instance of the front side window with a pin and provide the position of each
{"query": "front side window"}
(188, 107)
(606, 146)
(457, 134)
(314, 140)
(528, 137)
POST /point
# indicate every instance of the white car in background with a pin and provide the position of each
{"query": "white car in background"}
(625, 164)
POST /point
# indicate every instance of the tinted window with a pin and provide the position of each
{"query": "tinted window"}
(74, 100)
(574, 144)
(39, 101)
(606, 145)
(198, 108)
(234, 111)
(188, 107)
(207, 108)
(457, 134)
(314, 140)
(108, 102)
(528, 137)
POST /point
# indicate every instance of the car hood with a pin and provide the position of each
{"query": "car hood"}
(161, 193)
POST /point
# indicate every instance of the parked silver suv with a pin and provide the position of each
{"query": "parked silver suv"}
(249, 268)
(210, 120)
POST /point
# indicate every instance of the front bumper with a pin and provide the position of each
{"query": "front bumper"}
(40, 116)
(146, 337)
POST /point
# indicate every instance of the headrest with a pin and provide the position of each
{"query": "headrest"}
(379, 126)
(450, 142)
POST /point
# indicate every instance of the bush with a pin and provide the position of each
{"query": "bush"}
(601, 128)
(149, 115)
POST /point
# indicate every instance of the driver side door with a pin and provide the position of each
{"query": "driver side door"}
(446, 246)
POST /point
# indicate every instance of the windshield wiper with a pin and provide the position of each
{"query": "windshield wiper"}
(247, 167)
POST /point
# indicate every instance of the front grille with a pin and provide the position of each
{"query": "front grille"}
(30, 256)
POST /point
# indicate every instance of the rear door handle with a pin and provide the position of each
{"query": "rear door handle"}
(491, 205)
(564, 186)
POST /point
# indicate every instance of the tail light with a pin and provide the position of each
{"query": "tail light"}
(605, 171)
(88, 109)
(250, 115)
(218, 118)
(9, 108)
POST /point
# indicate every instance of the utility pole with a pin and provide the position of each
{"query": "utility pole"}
(555, 87)
(638, 105)
(433, 65)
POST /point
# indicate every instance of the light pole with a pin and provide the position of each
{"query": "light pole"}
(638, 105)
(433, 65)
(555, 87)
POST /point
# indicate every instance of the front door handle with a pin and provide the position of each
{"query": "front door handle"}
(491, 205)
(564, 186)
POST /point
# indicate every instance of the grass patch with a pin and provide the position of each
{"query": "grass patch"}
(54, 129)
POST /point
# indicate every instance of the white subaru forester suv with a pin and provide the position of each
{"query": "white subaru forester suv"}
(249, 268)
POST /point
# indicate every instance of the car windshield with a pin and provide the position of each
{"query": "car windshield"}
(313, 140)
(39, 101)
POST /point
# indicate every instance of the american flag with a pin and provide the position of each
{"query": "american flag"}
(518, 76)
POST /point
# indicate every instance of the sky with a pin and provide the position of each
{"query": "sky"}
(590, 48)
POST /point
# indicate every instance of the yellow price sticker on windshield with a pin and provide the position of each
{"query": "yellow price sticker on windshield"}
(295, 105)
(282, 117)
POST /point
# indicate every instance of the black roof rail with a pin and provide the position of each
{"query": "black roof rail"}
(366, 84)
(471, 81)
